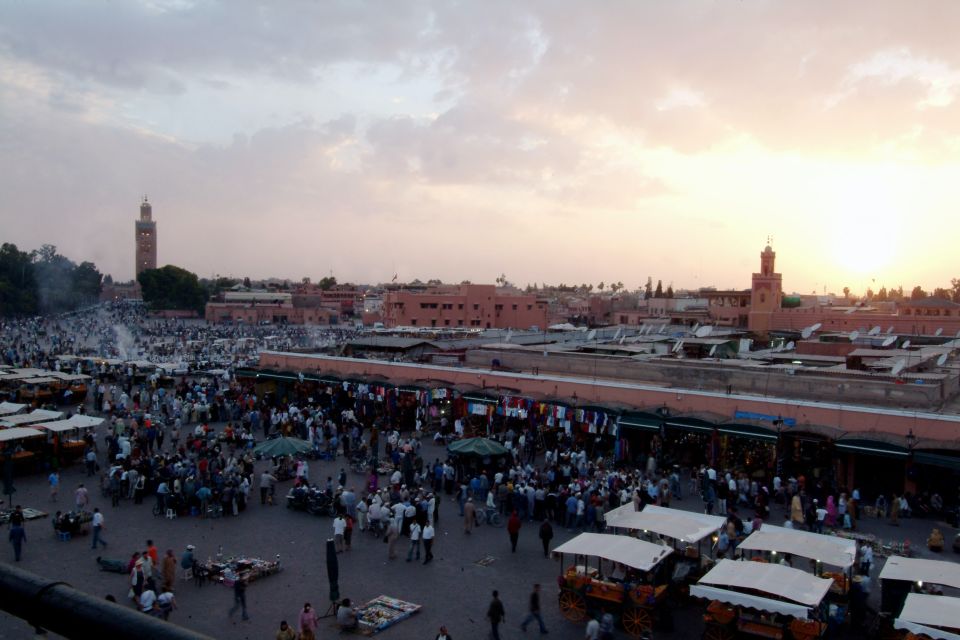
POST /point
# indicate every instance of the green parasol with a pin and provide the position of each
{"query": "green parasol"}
(482, 447)
(282, 447)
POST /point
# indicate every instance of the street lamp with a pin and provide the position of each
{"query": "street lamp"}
(778, 423)
(911, 440)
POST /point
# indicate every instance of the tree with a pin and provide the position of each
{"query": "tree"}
(846, 293)
(944, 294)
(18, 294)
(600, 286)
(870, 294)
(658, 292)
(955, 288)
(171, 287)
(918, 293)
(246, 282)
(648, 289)
(61, 285)
(327, 283)
(882, 294)
(669, 291)
(619, 286)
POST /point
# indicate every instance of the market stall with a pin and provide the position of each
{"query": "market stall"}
(762, 600)
(935, 617)
(382, 613)
(11, 408)
(901, 576)
(67, 435)
(22, 444)
(35, 416)
(822, 549)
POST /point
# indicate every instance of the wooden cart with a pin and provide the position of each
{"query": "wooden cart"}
(632, 598)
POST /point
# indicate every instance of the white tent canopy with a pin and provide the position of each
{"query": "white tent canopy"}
(75, 422)
(623, 549)
(750, 601)
(831, 550)
(923, 613)
(18, 433)
(938, 572)
(673, 523)
(10, 408)
(775, 579)
(38, 415)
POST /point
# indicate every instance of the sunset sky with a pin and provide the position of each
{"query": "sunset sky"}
(550, 141)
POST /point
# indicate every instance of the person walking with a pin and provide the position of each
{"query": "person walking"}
(444, 634)
(469, 516)
(240, 598)
(267, 483)
(81, 497)
(54, 480)
(339, 527)
(496, 615)
(534, 611)
(393, 532)
(415, 532)
(308, 622)
(513, 528)
(18, 535)
(428, 534)
(97, 524)
(546, 535)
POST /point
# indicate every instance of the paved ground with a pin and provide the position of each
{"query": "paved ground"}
(453, 590)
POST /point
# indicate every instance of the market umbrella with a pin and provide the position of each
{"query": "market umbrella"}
(482, 447)
(282, 447)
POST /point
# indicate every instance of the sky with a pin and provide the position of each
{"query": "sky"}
(555, 141)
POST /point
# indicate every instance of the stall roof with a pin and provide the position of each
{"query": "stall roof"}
(74, 422)
(10, 408)
(774, 579)
(922, 613)
(40, 380)
(69, 377)
(831, 550)
(673, 523)
(18, 433)
(623, 549)
(37, 415)
(917, 570)
(750, 601)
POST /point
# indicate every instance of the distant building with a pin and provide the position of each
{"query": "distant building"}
(481, 306)
(766, 293)
(146, 239)
(274, 307)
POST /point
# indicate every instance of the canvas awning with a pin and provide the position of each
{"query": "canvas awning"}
(938, 572)
(38, 415)
(19, 433)
(482, 447)
(924, 614)
(831, 550)
(773, 579)
(750, 601)
(75, 422)
(623, 549)
(10, 408)
(673, 523)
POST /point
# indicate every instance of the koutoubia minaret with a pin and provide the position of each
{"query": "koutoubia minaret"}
(146, 238)
(766, 292)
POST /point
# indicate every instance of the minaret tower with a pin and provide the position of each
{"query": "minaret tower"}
(766, 292)
(146, 238)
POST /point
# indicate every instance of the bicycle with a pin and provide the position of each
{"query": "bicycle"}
(490, 517)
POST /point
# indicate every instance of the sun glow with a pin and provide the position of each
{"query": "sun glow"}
(865, 221)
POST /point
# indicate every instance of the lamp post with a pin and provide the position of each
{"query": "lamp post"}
(778, 423)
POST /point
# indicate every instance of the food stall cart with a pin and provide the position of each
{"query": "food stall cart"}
(929, 616)
(762, 600)
(22, 444)
(25, 419)
(10, 408)
(228, 571)
(633, 596)
(67, 435)
(822, 550)
(901, 576)
(685, 530)
(38, 391)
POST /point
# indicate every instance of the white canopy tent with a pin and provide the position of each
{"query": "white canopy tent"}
(18, 433)
(71, 424)
(10, 408)
(623, 549)
(38, 415)
(831, 550)
(801, 590)
(938, 572)
(673, 523)
(923, 615)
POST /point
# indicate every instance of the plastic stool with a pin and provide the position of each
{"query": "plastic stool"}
(171, 514)
(194, 511)
(63, 536)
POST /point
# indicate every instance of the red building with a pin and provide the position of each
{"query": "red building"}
(481, 306)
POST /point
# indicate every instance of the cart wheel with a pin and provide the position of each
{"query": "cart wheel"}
(717, 632)
(637, 620)
(573, 606)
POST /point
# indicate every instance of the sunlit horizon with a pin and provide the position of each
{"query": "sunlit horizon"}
(552, 142)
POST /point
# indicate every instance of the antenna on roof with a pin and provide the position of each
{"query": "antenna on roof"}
(854, 336)
(942, 360)
(889, 340)
(622, 338)
(591, 334)
(850, 310)
(815, 327)
(704, 331)
(806, 333)
(906, 343)
(790, 346)
(890, 329)
(693, 330)
(662, 327)
(938, 332)
(713, 350)
(509, 335)
(874, 331)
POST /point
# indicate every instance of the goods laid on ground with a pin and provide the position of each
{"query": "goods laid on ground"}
(383, 612)
(28, 514)
(228, 571)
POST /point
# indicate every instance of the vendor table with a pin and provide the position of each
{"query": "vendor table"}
(383, 612)
(228, 571)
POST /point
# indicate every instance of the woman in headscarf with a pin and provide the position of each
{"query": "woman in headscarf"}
(796, 511)
(831, 518)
